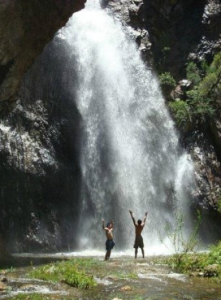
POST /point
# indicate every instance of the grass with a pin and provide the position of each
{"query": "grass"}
(206, 264)
(31, 297)
(38, 297)
(69, 272)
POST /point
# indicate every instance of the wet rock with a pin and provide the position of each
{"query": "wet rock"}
(28, 288)
(3, 286)
(180, 91)
(215, 125)
(133, 10)
(211, 11)
(211, 270)
(207, 169)
(177, 94)
(185, 83)
(126, 288)
(3, 279)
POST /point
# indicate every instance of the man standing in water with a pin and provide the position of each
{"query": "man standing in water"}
(109, 234)
(138, 237)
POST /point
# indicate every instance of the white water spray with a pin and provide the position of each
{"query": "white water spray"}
(129, 149)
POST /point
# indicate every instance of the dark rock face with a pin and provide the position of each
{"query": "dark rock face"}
(33, 158)
(175, 31)
(25, 28)
(39, 161)
(169, 34)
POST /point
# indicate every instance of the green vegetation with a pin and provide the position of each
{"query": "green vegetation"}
(219, 204)
(200, 103)
(176, 235)
(193, 73)
(125, 275)
(39, 297)
(181, 114)
(167, 79)
(201, 108)
(181, 243)
(31, 297)
(66, 271)
(206, 90)
(164, 44)
(167, 83)
(205, 264)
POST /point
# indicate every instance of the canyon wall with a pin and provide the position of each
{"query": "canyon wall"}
(39, 157)
(34, 215)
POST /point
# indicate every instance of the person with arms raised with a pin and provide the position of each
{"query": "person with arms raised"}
(109, 234)
(139, 225)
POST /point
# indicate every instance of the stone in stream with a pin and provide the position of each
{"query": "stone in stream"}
(3, 286)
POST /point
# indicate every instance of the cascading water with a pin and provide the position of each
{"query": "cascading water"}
(130, 157)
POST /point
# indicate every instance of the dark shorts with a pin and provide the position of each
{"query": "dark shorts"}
(109, 245)
(138, 242)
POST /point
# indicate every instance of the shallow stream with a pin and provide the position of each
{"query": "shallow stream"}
(121, 277)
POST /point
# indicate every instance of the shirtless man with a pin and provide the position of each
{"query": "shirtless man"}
(109, 234)
(138, 237)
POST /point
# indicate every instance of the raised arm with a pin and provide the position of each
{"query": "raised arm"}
(145, 217)
(103, 224)
(112, 223)
(132, 216)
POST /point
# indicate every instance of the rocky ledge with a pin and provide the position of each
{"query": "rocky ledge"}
(25, 28)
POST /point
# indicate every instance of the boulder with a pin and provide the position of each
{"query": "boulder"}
(25, 28)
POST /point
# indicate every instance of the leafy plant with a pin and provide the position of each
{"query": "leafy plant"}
(219, 205)
(181, 114)
(65, 271)
(125, 275)
(181, 243)
(38, 297)
(202, 98)
(193, 73)
(167, 83)
(211, 84)
(200, 107)
(207, 264)
(31, 297)
(166, 79)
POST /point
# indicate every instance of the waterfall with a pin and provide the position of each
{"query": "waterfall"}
(130, 156)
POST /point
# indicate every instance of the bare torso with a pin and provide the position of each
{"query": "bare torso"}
(138, 229)
(109, 233)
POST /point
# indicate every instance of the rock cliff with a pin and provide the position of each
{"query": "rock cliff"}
(29, 166)
(25, 28)
(39, 163)
(170, 34)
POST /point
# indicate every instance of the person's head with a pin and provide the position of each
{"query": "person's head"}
(108, 225)
(139, 222)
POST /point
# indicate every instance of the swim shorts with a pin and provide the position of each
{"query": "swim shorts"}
(138, 242)
(109, 245)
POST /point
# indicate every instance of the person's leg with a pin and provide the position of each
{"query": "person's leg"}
(142, 249)
(107, 256)
(136, 252)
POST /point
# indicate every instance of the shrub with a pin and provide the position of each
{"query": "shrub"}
(64, 271)
(181, 114)
(31, 297)
(211, 84)
(166, 79)
(208, 264)
(193, 73)
(201, 107)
